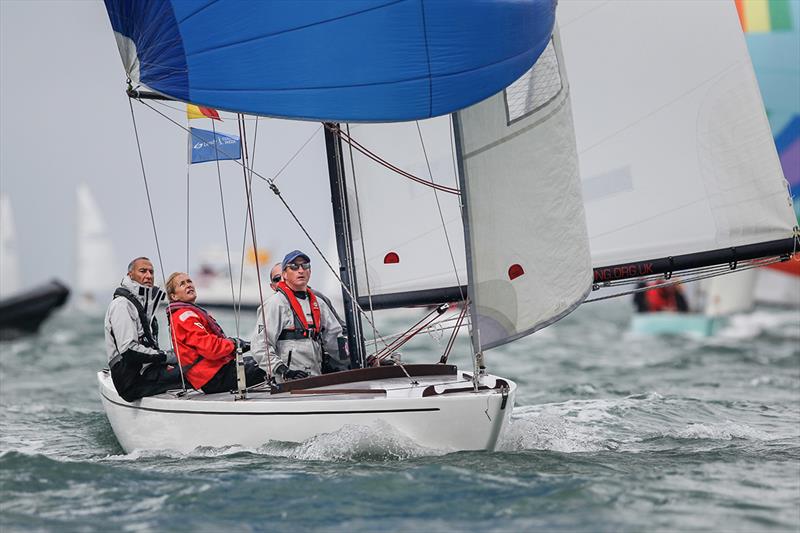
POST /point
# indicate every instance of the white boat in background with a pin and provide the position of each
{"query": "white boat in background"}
(486, 208)
(779, 285)
(213, 279)
(97, 271)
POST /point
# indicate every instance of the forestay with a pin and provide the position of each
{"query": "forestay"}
(348, 60)
(675, 149)
(527, 246)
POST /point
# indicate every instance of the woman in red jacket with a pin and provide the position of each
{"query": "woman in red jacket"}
(207, 356)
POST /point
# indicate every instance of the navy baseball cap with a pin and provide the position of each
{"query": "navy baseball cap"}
(291, 256)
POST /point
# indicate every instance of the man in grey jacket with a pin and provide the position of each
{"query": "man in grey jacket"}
(138, 366)
(302, 330)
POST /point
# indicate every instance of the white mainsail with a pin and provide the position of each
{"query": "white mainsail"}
(96, 272)
(528, 251)
(399, 243)
(9, 262)
(675, 149)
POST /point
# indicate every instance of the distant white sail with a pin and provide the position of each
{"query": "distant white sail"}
(675, 149)
(528, 249)
(777, 287)
(96, 270)
(9, 261)
(731, 293)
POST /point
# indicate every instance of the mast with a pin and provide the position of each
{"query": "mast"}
(344, 246)
(473, 314)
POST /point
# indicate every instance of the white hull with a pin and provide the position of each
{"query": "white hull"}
(454, 421)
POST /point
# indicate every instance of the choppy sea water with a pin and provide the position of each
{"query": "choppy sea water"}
(610, 432)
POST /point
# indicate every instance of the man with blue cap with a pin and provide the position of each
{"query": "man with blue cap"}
(302, 330)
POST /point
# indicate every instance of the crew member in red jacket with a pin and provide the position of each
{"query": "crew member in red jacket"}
(665, 298)
(207, 356)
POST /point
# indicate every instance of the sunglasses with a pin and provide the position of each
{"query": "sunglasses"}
(276, 279)
(298, 266)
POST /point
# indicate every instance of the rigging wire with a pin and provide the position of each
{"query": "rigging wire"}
(251, 216)
(441, 215)
(225, 229)
(276, 191)
(371, 155)
(363, 245)
(250, 165)
(280, 171)
(424, 322)
(155, 236)
(451, 342)
(188, 166)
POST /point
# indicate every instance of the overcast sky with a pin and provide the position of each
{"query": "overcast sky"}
(66, 120)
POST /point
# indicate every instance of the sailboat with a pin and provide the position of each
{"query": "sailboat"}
(503, 228)
(22, 312)
(97, 273)
(409, 72)
(710, 309)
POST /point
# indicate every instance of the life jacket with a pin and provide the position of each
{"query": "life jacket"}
(149, 327)
(301, 329)
(661, 299)
(213, 325)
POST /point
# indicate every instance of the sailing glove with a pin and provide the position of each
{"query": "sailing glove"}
(240, 344)
(170, 358)
(374, 361)
(295, 374)
(283, 370)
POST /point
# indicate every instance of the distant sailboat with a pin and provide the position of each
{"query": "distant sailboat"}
(97, 272)
(21, 312)
(9, 261)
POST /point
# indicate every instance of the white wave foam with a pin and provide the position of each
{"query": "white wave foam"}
(721, 431)
(377, 441)
(575, 425)
(548, 432)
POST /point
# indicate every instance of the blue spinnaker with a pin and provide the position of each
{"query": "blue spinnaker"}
(343, 60)
(205, 145)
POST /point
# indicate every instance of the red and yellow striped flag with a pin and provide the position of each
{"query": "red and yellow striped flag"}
(763, 16)
(196, 111)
